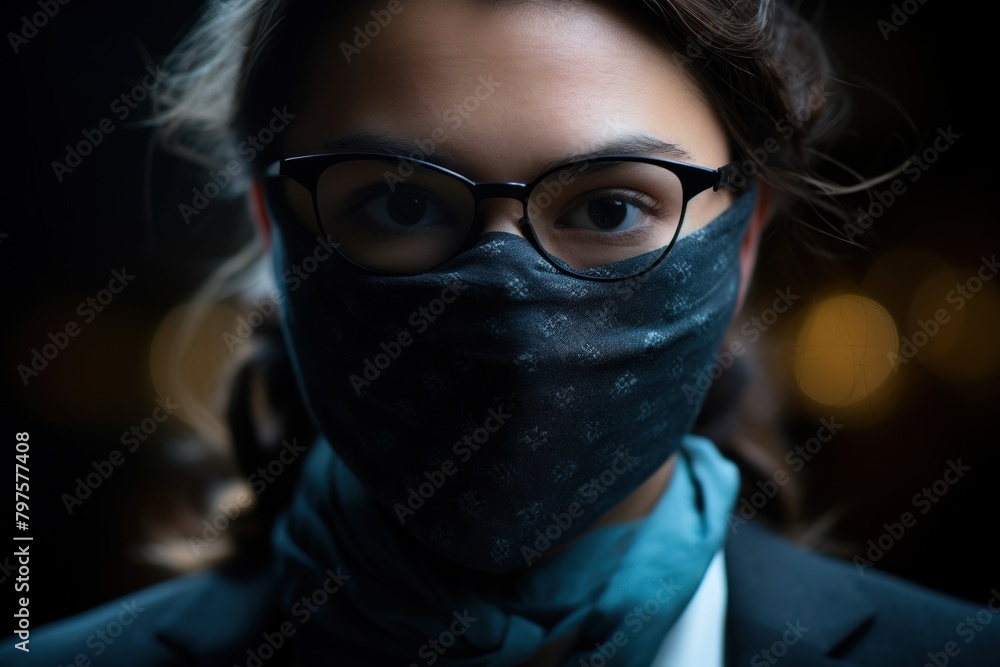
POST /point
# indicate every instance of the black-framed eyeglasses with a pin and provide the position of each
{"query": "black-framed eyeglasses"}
(606, 218)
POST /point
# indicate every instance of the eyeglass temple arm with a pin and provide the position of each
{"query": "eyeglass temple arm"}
(725, 178)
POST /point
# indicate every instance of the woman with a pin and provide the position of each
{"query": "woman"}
(505, 236)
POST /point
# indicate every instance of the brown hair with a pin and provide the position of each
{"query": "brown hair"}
(763, 68)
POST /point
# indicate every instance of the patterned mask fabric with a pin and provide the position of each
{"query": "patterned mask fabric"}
(496, 407)
(479, 416)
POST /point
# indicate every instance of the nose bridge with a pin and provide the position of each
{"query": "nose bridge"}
(518, 191)
(500, 216)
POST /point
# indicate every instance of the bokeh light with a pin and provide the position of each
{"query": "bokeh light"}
(844, 350)
(953, 329)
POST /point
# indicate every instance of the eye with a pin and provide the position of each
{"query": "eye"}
(404, 208)
(609, 211)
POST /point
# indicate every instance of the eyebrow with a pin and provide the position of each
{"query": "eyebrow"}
(633, 144)
(365, 142)
(644, 145)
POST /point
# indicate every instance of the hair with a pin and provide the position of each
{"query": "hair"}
(761, 67)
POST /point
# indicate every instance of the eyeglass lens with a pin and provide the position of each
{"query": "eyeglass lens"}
(404, 217)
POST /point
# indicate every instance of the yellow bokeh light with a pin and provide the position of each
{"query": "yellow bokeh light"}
(953, 332)
(844, 350)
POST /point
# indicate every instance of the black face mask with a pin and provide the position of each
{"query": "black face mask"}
(496, 406)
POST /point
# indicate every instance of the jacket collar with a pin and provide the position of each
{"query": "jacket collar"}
(797, 607)
(216, 616)
(781, 599)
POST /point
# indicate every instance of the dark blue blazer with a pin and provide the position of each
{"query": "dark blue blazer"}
(787, 607)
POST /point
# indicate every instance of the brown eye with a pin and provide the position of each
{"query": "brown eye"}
(607, 213)
(406, 208)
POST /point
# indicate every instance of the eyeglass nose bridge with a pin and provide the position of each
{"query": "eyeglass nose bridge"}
(483, 191)
(504, 190)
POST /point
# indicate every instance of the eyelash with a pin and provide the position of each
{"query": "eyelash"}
(626, 196)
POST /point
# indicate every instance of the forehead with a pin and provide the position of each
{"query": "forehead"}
(503, 89)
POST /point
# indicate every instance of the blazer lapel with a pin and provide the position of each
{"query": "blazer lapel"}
(786, 606)
(222, 609)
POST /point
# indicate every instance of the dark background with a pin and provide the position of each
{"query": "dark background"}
(64, 239)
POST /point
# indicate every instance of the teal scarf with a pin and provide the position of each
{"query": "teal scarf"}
(358, 590)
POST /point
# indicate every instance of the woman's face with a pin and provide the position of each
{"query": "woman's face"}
(498, 93)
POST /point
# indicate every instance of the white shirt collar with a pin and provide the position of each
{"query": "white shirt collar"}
(698, 636)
